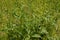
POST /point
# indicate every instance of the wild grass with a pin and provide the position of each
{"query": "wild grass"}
(29, 19)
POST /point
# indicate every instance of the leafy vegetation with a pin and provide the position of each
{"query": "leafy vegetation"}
(29, 19)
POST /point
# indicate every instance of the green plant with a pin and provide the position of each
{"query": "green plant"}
(29, 19)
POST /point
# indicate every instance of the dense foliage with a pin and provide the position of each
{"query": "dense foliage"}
(29, 19)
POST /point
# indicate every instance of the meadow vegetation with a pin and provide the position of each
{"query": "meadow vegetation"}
(29, 19)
